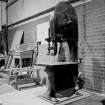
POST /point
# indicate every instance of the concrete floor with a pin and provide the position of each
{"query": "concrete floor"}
(92, 100)
(30, 97)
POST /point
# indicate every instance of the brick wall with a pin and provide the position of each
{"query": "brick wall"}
(92, 49)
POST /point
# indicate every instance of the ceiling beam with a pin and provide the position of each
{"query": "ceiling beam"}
(11, 3)
(73, 1)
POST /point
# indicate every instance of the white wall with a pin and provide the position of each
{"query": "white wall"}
(25, 8)
(15, 12)
(42, 32)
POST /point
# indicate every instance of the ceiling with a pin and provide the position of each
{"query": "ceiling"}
(72, 1)
(4, 0)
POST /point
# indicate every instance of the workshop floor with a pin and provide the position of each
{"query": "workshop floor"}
(31, 97)
(92, 100)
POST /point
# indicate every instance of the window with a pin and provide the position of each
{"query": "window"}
(42, 32)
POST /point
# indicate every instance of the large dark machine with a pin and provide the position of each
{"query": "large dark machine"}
(64, 28)
(62, 75)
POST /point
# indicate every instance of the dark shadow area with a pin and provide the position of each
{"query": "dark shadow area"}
(103, 102)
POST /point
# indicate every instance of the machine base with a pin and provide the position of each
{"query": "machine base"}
(62, 100)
